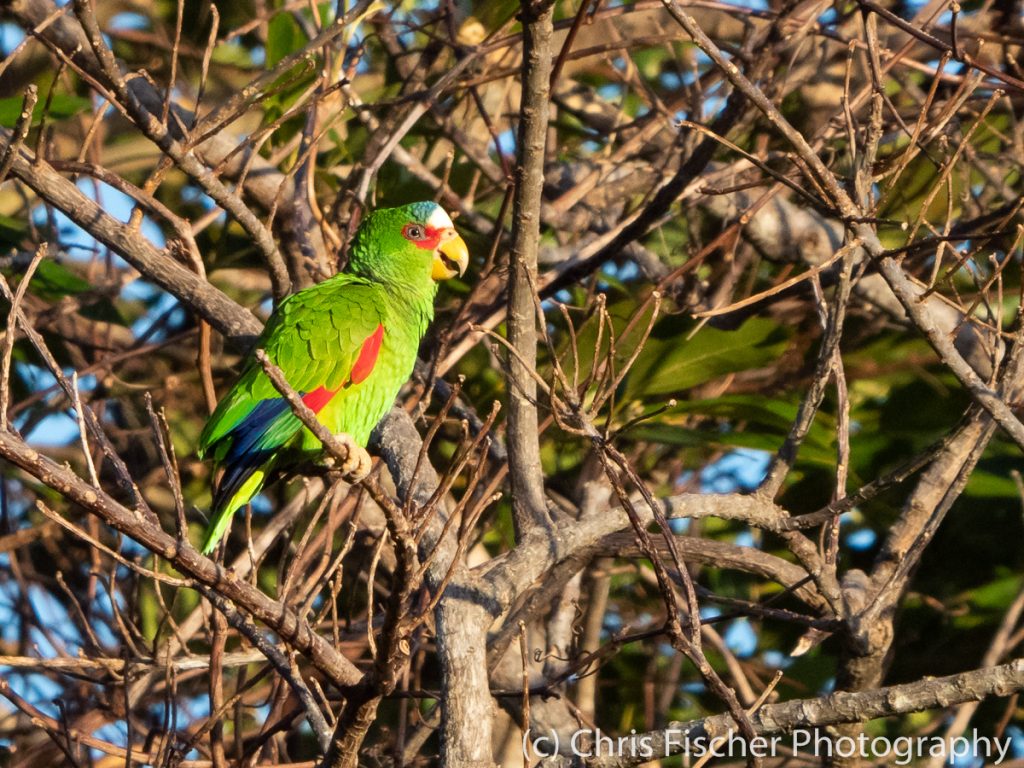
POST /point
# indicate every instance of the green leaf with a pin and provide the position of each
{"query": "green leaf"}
(768, 411)
(990, 485)
(232, 54)
(684, 437)
(283, 37)
(996, 595)
(52, 281)
(776, 414)
(12, 231)
(62, 106)
(674, 363)
(650, 61)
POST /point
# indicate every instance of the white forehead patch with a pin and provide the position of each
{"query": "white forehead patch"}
(439, 219)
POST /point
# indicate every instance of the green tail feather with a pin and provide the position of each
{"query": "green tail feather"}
(221, 520)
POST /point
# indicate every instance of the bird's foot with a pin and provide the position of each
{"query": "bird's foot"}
(357, 464)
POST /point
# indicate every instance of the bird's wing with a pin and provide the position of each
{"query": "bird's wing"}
(321, 338)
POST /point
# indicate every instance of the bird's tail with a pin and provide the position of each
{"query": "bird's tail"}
(253, 445)
(241, 482)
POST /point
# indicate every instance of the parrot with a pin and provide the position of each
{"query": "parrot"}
(345, 345)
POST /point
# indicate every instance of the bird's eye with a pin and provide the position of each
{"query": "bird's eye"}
(413, 232)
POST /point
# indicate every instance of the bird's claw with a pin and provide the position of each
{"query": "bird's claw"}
(357, 463)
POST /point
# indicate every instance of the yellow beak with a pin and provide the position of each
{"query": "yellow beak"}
(451, 258)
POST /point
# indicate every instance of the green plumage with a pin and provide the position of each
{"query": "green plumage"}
(314, 338)
(347, 345)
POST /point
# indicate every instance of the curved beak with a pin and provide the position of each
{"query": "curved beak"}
(451, 258)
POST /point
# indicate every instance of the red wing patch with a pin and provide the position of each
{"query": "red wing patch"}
(367, 356)
(318, 398)
(321, 396)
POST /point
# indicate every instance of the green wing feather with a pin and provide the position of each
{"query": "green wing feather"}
(314, 337)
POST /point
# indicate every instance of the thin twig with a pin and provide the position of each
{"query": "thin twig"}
(13, 321)
(21, 128)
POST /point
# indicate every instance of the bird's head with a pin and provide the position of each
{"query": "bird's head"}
(412, 244)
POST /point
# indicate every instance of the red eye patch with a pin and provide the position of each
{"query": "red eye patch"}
(422, 236)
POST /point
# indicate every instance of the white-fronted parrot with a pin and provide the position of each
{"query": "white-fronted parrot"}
(345, 345)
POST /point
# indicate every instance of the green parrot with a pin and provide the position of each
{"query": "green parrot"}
(345, 345)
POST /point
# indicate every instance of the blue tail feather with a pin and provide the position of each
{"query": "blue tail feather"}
(253, 443)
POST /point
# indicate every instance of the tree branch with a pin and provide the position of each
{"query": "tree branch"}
(841, 707)
(214, 306)
(525, 473)
(184, 558)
